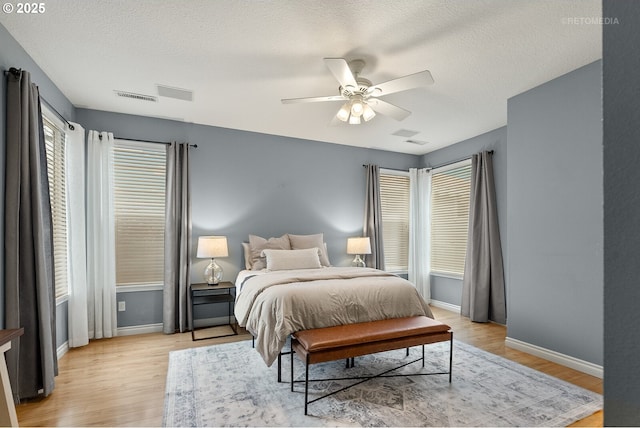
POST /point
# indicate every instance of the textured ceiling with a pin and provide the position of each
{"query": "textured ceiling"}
(240, 57)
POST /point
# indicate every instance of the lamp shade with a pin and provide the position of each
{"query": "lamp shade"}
(368, 113)
(212, 246)
(354, 120)
(344, 112)
(358, 245)
(357, 106)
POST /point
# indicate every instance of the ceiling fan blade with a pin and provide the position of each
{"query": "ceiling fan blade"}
(312, 99)
(341, 71)
(388, 109)
(411, 81)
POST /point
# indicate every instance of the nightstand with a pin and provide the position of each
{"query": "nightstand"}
(204, 294)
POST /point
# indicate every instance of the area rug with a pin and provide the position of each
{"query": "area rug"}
(229, 385)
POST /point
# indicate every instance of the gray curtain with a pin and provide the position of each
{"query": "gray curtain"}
(373, 218)
(483, 295)
(29, 276)
(177, 241)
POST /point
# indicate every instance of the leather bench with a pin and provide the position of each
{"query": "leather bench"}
(354, 340)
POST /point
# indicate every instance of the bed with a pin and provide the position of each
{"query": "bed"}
(296, 291)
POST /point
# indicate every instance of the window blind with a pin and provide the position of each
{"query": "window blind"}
(394, 199)
(450, 218)
(139, 171)
(54, 138)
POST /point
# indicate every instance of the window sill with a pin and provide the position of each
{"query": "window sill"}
(134, 288)
(448, 275)
(62, 299)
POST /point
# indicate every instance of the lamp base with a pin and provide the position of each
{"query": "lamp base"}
(213, 273)
(358, 262)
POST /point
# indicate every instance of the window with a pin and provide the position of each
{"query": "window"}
(139, 173)
(55, 139)
(450, 188)
(394, 200)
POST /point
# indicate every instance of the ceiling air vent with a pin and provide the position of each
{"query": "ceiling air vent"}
(418, 142)
(133, 95)
(176, 93)
(406, 133)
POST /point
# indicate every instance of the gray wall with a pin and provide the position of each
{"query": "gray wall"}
(449, 290)
(237, 164)
(12, 55)
(550, 213)
(621, 87)
(244, 182)
(554, 210)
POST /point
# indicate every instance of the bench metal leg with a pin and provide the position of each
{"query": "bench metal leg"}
(450, 356)
(306, 387)
(423, 357)
(292, 355)
(350, 362)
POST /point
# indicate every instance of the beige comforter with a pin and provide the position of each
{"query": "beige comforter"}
(274, 305)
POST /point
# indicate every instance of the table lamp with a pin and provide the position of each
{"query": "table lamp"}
(358, 245)
(211, 247)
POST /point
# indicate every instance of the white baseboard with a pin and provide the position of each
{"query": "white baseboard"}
(556, 357)
(140, 329)
(157, 328)
(63, 349)
(445, 305)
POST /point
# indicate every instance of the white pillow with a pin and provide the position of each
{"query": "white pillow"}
(292, 259)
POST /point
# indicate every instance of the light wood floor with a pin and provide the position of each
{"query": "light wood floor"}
(121, 381)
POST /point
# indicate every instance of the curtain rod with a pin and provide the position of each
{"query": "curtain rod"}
(391, 169)
(452, 162)
(431, 167)
(145, 141)
(71, 127)
(16, 73)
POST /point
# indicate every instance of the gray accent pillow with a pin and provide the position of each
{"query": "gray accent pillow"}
(301, 242)
(258, 244)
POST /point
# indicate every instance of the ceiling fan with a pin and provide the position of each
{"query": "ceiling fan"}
(362, 98)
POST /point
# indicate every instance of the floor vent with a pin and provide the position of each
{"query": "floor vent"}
(135, 96)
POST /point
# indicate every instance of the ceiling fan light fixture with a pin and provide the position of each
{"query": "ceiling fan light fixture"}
(344, 112)
(360, 96)
(357, 107)
(368, 113)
